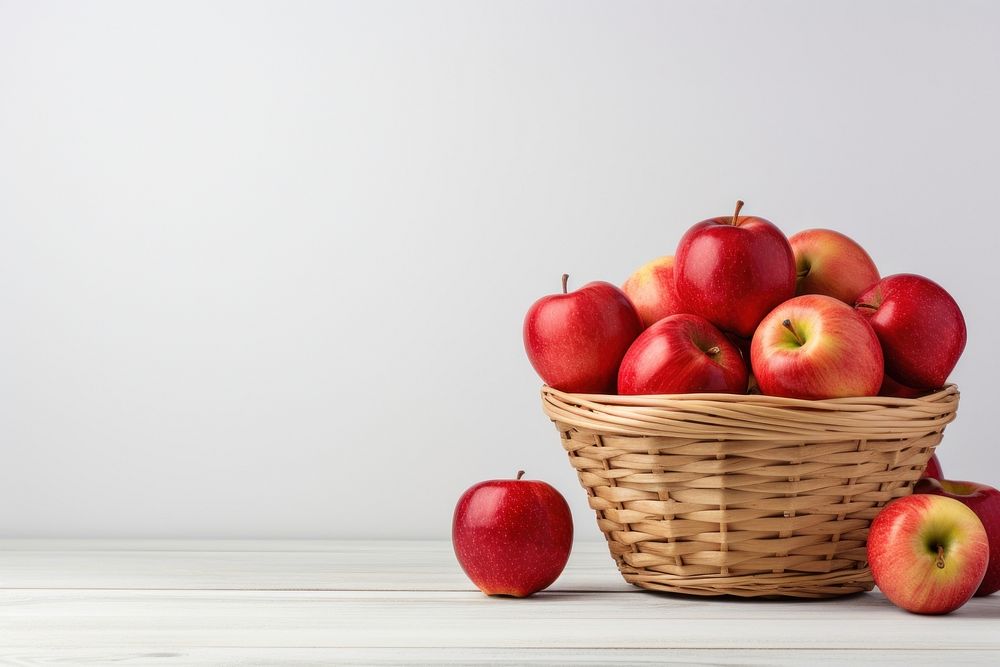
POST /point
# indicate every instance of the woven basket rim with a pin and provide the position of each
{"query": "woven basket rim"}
(753, 416)
(655, 400)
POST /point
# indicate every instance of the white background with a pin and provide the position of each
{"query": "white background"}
(263, 266)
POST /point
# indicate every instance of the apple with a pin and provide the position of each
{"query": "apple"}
(827, 262)
(928, 554)
(933, 469)
(575, 341)
(512, 536)
(920, 326)
(682, 354)
(651, 290)
(894, 389)
(734, 270)
(816, 347)
(985, 502)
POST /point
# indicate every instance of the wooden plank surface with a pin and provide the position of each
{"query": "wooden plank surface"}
(429, 619)
(406, 603)
(266, 565)
(236, 655)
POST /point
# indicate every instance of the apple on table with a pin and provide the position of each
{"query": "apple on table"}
(512, 536)
(928, 553)
(933, 469)
(982, 499)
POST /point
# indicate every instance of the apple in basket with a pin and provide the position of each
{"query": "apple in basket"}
(985, 502)
(816, 347)
(928, 553)
(920, 326)
(576, 340)
(651, 290)
(682, 354)
(733, 270)
(512, 536)
(827, 262)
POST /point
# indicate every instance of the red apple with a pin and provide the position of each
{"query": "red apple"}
(512, 536)
(928, 554)
(682, 354)
(985, 502)
(920, 326)
(894, 389)
(933, 469)
(576, 341)
(734, 270)
(651, 290)
(827, 262)
(816, 347)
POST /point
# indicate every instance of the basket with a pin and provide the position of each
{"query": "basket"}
(724, 494)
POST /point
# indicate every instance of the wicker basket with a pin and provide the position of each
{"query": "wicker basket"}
(719, 494)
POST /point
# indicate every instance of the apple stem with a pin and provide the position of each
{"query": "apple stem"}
(520, 474)
(736, 213)
(940, 560)
(788, 325)
(565, 281)
(712, 351)
(865, 305)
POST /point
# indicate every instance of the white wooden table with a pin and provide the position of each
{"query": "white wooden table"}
(301, 602)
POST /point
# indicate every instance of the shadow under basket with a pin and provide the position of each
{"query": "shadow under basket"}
(724, 494)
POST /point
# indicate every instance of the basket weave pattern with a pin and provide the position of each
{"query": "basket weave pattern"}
(717, 494)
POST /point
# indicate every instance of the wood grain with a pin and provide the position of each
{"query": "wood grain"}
(266, 565)
(175, 602)
(235, 655)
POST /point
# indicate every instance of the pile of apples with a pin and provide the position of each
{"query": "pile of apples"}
(741, 308)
